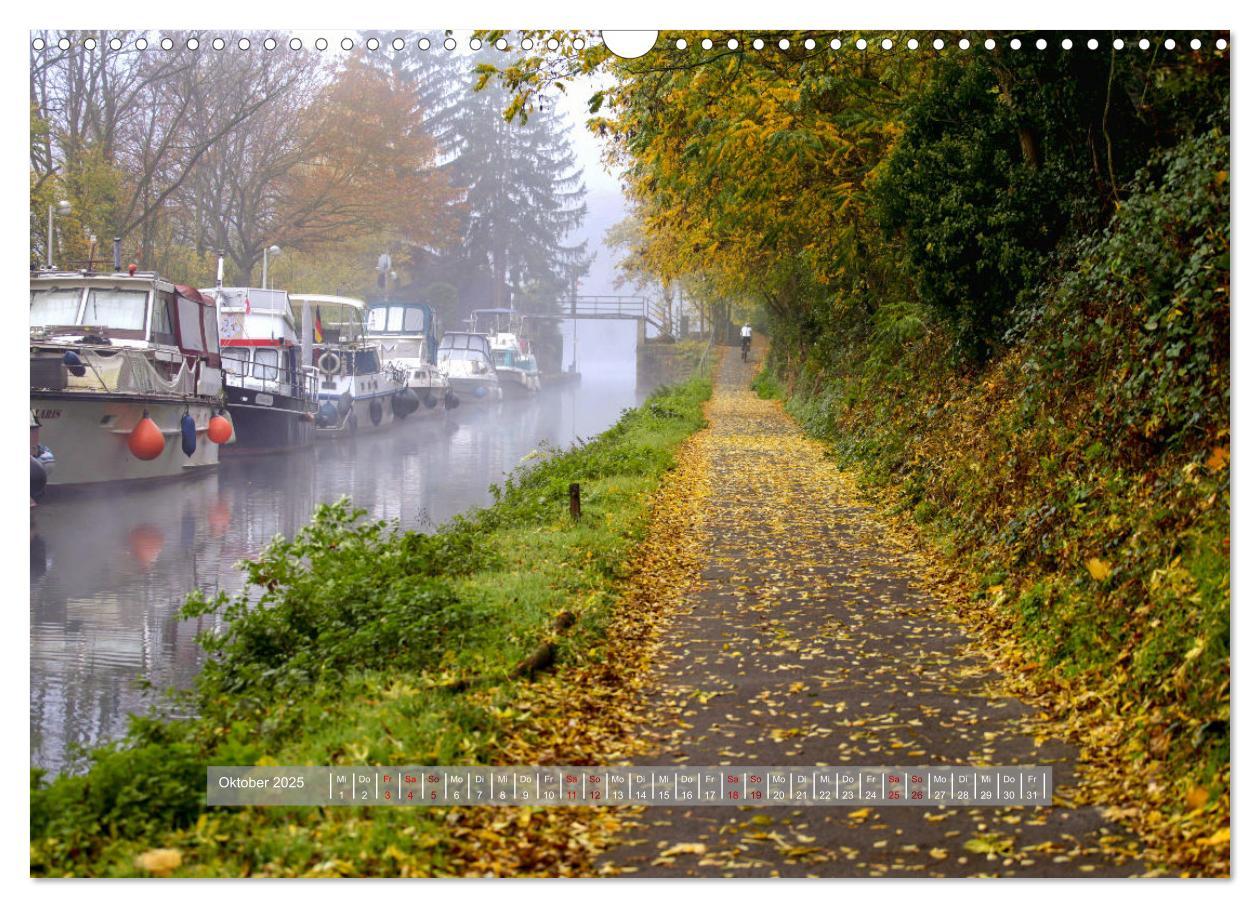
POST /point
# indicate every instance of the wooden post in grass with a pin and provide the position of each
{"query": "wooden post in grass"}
(575, 500)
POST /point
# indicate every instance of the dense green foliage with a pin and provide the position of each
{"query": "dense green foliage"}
(1005, 154)
(1101, 434)
(359, 642)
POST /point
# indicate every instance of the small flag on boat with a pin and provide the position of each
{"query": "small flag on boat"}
(247, 307)
(319, 327)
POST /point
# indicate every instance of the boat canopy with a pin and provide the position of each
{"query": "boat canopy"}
(196, 323)
(132, 307)
(398, 318)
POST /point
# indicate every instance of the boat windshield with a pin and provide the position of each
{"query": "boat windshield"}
(461, 354)
(366, 362)
(111, 308)
(258, 300)
(55, 306)
(504, 358)
(461, 341)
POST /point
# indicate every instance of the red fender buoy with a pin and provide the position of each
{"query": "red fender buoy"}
(219, 430)
(146, 441)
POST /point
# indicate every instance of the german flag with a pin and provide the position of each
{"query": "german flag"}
(319, 327)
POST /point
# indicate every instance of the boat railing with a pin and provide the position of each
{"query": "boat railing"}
(271, 379)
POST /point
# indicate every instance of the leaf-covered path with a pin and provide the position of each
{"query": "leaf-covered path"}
(808, 642)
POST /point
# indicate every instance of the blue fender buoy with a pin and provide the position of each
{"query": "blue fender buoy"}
(39, 479)
(376, 412)
(188, 434)
(73, 364)
(451, 400)
(429, 400)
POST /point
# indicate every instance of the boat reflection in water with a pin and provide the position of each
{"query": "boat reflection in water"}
(104, 604)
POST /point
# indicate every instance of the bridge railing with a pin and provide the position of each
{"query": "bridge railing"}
(607, 307)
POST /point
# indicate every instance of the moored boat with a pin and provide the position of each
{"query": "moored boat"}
(270, 396)
(356, 390)
(467, 361)
(514, 362)
(516, 366)
(125, 376)
(407, 337)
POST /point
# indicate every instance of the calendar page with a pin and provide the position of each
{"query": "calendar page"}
(794, 450)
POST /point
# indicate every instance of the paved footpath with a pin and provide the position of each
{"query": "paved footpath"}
(806, 643)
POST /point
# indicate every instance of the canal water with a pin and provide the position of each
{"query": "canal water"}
(110, 571)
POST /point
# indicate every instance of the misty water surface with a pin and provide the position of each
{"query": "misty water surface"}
(109, 571)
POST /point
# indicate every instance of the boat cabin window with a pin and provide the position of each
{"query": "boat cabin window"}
(123, 310)
(55, 306)
(210, 328)
(503, 358)
(266, 363)
(161, 324)
(259, 300)
(236, 360)
(365, 362)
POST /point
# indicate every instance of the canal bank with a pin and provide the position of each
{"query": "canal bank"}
(435, 676)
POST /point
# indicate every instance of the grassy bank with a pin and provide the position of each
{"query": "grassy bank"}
(1080, 481)
(368, 644)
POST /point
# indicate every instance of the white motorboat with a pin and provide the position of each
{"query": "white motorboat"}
(125, 376)
(407, 337)
(467, 361)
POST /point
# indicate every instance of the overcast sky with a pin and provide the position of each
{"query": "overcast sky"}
(604, 201)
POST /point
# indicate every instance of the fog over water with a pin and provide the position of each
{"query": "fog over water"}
(110, 570)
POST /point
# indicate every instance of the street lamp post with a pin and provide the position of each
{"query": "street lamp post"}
(61, 208)
(270, 250)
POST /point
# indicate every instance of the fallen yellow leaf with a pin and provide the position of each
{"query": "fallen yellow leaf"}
(160, 861)
(1219, 838)
(1098, 569)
